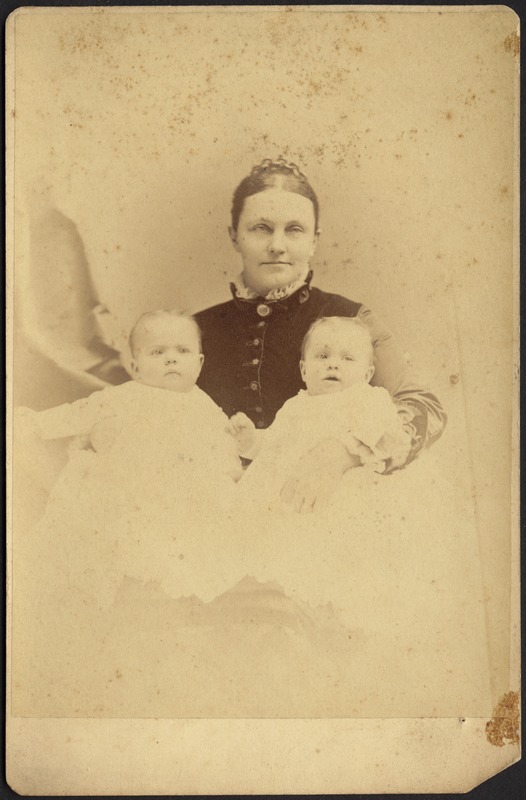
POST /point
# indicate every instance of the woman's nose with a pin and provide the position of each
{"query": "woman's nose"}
(277, 243)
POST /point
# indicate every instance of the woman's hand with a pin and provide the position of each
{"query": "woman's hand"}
(317, 475)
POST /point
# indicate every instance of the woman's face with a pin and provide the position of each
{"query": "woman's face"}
(276, 237)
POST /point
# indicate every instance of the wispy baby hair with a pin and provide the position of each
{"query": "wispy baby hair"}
(143, 320)
(266, 175)
(346, 322)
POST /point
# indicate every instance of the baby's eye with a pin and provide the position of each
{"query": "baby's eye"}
(322, 355)
(157, 352)
(183, 349)
(348, 358)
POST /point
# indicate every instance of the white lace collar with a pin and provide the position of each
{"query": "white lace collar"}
(245, 293)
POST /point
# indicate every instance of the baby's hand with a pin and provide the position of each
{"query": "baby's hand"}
(243, 430)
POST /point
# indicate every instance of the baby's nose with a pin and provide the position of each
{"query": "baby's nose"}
(170, 358)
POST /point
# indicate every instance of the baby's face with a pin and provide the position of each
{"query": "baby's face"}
(336, 357)
(167, 354)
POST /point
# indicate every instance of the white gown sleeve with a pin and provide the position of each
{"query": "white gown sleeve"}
(72, 419)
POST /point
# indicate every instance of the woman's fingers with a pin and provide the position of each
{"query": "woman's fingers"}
(302, 495)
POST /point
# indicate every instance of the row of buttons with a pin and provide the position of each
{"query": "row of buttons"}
(263, 311)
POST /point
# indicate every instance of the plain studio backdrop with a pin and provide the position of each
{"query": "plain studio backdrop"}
(131, 129)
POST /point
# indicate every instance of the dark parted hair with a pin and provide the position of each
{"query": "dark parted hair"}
(263, 176)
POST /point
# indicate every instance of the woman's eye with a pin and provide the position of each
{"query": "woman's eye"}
(295, 229)
(261, 227)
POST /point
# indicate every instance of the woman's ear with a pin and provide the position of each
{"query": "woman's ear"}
(315, 240)
(233, 237)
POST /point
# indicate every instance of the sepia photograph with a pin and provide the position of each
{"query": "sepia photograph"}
(262, 362)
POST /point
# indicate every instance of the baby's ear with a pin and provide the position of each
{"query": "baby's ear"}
(134, 367)
(201, 359)
(369, 373)
(302, 370)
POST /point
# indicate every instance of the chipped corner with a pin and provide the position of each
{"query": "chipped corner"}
(503, 727)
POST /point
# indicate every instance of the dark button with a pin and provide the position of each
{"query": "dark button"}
(254, 386)
(258, 410)
(260, 424)
(260, 324)
(263, 310)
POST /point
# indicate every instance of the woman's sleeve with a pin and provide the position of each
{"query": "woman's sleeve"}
(423, 417)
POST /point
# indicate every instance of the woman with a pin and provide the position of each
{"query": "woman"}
(252, 342)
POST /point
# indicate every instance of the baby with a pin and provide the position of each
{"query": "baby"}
(159, 469)
(339, 402)
(152, 424)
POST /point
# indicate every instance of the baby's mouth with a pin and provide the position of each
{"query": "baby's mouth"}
(331, 378)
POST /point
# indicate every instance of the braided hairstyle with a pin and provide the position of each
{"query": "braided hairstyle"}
(267, 174)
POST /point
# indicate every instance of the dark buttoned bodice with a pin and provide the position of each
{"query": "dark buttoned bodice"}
(252, 349)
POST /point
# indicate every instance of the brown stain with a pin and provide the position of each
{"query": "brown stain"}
(454, 379)
(503, 728)
(448, 114)
(512, 43)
